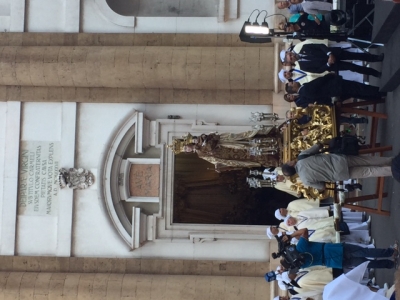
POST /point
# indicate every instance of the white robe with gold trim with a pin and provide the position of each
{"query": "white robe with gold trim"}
(313, 280)
(297, 206)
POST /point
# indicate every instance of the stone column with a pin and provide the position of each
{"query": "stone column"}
(60, 286)
(141, 68)
(138, 67)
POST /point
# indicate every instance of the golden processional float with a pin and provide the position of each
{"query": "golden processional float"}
(296, 138)
(265, 145)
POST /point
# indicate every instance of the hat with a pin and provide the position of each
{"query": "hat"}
(278, 215)
(270, 234)
(270, 276)
(282, 55)
(396, 167)
(281, 75)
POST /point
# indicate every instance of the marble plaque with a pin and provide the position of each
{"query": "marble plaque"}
(38, 178)
(144, 180)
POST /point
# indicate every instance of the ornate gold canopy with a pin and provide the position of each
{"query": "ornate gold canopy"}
(321, 128)
(177, 145)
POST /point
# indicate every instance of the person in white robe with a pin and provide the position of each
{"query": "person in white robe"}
(297, 206)
(345, 287)
(322, 235)
(320, 225)
(359, 231)
(309, 279)
(323, 228)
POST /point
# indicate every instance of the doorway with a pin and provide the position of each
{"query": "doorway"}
(203, 196)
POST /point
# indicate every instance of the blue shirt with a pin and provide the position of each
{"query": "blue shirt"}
(333, 254)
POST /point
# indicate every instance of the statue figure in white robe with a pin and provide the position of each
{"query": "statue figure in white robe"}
(297, 206)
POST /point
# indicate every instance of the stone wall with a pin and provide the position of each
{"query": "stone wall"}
(132, 266)
(126, 39)
(135, 68)
(59, 286)
(112, 278)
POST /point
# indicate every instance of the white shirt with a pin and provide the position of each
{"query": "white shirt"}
(316, 7)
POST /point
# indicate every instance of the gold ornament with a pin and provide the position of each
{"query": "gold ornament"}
(178, 145)
(321, 128)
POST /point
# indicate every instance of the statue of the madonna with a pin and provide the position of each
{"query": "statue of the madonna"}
(231, 151)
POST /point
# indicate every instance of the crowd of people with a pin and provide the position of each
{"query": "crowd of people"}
(309, 225)
(312, 72)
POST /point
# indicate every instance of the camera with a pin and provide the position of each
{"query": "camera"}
(292, 259)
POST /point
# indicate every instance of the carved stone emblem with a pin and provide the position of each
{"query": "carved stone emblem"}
(75, 178)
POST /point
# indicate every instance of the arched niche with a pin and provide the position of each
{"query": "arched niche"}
(124, 207)
(170, 8)
(114, 17)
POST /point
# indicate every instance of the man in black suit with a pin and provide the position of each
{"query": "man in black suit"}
(318, 58)
(305, 102)
(332, 85)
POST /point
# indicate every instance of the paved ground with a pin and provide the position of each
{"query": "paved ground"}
(387, 229)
